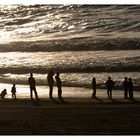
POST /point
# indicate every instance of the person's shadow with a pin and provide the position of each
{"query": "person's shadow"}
(60, 101)
(97, 99)
(130, 101)
(36, 102)
(134, 100)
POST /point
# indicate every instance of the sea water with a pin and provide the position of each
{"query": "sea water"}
(79, 41)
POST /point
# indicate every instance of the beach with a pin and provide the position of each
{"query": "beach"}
(81, 42)
(77, 115)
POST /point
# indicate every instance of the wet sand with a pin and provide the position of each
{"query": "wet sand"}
(74, 116)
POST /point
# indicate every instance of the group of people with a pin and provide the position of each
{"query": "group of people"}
(13, 90)
(127, 86)
(50, 81)
(32, 84)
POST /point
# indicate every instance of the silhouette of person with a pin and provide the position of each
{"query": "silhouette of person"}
(50, 81)
(125, 87)
(32, 84)
(130, 88)
(109, 84)
(59, 85)
(94, 87)
(3, 93)
(13, 90)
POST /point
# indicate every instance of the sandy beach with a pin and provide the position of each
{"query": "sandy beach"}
(77, 115)
(81, 42)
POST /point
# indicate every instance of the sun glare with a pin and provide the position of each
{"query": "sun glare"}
(8, 7)
(5, 37)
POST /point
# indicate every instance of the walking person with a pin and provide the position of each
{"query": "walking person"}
(50, 81)
(109, 84)
(125, 87)
(13, 90)
(32, 83)
(94, 88)
(130, 88)
(59, 85)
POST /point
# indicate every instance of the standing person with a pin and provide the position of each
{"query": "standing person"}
(109, 84)
(94, 88)
(32, 84)
(130, 88)
(50, 81)
(13, 90)
(59, 85)
(125, 87)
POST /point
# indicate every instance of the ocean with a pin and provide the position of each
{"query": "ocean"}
(79, 41)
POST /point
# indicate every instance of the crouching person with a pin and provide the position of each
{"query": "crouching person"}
(3, 93)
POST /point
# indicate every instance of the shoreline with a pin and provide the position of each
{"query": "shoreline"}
(23, 91)
(78, 114)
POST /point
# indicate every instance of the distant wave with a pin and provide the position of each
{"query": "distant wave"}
(99, 69)
(66, 28)
(73, 80)
(32, 22)
(76, 44)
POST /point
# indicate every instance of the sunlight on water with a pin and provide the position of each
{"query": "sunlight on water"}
(5, 37)
(71, 39)
(69, 60)
(43, 92)
(77, 68)
(42, 22)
